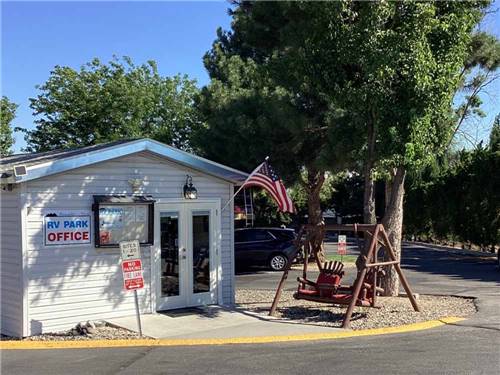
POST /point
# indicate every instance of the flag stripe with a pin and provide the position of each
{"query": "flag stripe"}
(262, 185)
(266, 185)
(286, 198)
(283, 199)
(265, 177)
(269, 186)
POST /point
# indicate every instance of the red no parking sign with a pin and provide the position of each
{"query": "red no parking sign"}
(342, 245)
(132, 274)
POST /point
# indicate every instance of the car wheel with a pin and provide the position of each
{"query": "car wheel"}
(278, 262)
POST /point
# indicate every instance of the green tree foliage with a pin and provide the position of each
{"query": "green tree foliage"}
(269, 94)
(415, 58)
(245, 120)
(409, 69)
(7, 114)
(299, 194)
(460, 202)
(106, 102)
(480, 70)
(494, 143)
(262, 92)
(347, 197)
(388, 70)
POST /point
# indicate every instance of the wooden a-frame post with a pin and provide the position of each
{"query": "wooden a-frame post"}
(298, 243)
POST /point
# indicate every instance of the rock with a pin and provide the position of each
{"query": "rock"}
(74, 331)
(91, 324)
(99, 323)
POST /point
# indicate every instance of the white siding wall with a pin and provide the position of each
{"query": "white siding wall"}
(68, 284)
(11, 290)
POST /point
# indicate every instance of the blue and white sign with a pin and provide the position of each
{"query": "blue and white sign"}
(67, 230)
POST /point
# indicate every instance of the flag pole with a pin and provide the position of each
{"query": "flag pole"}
(243, 184)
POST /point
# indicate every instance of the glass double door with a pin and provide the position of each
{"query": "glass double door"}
(186, 255)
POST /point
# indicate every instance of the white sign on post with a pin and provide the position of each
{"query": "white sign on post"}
(132, 272)
(130, 250)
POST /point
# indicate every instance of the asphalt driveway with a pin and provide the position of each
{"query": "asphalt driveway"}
(429, 271)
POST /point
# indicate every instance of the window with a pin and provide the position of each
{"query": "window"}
(252, 235)
(241, 236)
(284, 235)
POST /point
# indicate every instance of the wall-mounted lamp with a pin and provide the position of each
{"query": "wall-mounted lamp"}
(190, 191)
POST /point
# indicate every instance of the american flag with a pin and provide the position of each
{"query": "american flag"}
(265, 177)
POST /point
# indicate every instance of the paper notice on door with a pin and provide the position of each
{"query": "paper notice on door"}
(141, 213)
(129, 215)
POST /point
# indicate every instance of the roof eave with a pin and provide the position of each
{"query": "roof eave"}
(63, 165)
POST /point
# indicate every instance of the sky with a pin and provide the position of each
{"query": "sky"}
(36, 36)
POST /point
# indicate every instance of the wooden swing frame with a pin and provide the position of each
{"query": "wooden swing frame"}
(378, 237)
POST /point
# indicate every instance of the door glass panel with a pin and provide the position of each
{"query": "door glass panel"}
(201, 252)
(169, 230)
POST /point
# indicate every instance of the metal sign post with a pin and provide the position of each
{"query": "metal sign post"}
(342, 245)
(132, 272)
(138, 315)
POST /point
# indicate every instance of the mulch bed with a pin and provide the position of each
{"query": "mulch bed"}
(99, 333)
(393, 311)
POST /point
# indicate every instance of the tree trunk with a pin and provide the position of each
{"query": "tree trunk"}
(369, 216)
(315, 180)
(393, 224)
(387, 193)
(369, 199)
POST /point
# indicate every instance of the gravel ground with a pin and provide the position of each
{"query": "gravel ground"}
(394, 311)
(99, 333)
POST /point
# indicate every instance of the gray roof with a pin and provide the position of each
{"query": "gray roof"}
(39, 157)
(43, 164)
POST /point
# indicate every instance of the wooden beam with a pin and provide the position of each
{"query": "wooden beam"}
(281, 284)
(402, 277)
(306, 260)
(359, 281)
(278, 292)
(350, 227)
(382, 263)
(346, 227)
(375, 260)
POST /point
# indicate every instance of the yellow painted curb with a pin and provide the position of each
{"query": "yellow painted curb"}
(89, 344)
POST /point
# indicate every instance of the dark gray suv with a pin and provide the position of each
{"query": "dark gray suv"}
(271, 247)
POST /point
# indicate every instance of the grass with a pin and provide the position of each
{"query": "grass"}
(343, 258)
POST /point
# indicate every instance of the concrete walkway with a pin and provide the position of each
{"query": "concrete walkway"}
(215, 322)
